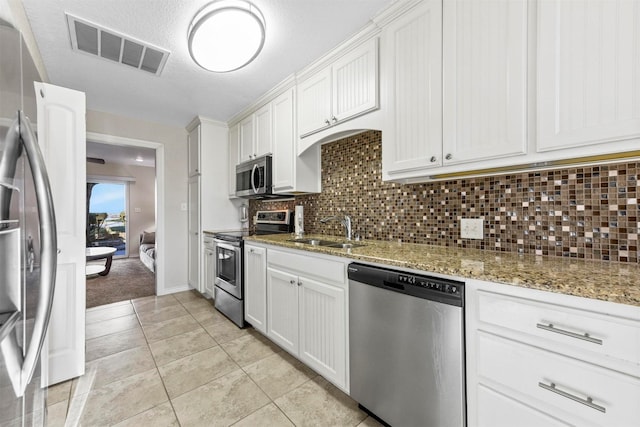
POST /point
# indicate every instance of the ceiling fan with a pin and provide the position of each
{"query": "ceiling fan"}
(95, 160)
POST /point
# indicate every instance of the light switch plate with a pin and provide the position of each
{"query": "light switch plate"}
(472, 228)
(137, 210)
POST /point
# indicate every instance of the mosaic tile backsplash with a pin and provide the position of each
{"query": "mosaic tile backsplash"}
(583, 212)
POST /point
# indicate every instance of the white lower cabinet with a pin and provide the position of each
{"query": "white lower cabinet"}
(282, 309)
(538, 358)
(255, 287)
(209, 265)
(305, 300)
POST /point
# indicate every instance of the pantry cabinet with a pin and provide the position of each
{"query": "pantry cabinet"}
(588, 76)
(456, 75)
(345, 89)
(193, 152)
(538, 358)
(255, 287)
(194, 253)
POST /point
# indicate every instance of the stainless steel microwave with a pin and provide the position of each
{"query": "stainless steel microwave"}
(254, 178)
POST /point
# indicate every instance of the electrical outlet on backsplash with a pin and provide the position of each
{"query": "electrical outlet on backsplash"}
(583, 212)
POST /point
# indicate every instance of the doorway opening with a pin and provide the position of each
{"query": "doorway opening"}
(108, 215)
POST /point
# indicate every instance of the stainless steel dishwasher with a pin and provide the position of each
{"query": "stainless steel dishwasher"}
(406, 345)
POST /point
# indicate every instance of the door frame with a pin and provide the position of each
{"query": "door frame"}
(160, 195)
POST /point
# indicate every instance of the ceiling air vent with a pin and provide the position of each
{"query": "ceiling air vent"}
(93, 39)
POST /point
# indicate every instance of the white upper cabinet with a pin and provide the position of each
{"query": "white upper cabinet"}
(255, 134)
(588, 75)
(247, 138)
(193, 147)
(345, 89)
(354, 79)
(314, 103)
(411, 49)
(284, 147)
(263, 123)
(456, 75)
(484, 79)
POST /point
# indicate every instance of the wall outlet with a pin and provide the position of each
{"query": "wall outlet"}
(472, 228)
(137, 210)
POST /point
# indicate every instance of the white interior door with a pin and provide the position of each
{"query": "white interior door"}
(62, 138)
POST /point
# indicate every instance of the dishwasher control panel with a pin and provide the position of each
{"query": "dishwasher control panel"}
(421, 286)
(430, 283)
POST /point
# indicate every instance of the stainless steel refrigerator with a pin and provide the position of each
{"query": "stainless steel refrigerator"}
(28, 249)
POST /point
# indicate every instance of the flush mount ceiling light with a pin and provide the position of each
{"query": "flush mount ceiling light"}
(226, 35)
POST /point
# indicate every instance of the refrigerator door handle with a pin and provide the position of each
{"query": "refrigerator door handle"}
(8, 164)
(48, 248)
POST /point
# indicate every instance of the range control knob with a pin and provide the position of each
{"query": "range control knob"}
(454, 289)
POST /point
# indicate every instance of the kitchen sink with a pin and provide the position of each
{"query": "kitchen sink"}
(313, 242)
(327, 243)
(344, 245)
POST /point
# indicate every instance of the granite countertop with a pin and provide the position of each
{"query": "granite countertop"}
(608, 281)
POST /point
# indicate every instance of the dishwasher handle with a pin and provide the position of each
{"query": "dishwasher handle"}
(432, 288)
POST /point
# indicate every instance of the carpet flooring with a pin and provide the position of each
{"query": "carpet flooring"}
(128, 279)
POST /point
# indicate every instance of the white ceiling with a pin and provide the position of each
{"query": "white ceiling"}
(298, 32)
(122, 155)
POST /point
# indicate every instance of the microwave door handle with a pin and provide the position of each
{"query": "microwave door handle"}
(253, 178)
(48, 248)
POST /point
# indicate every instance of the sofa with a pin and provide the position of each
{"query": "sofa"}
(148, 249)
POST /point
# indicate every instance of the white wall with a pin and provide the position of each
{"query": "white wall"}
(174, 141)
(142, 196)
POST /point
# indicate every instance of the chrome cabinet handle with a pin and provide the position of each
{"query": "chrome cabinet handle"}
(333, 119)
(48, 248)
(327, 122)
(584, 337)
(448, 156)
(292, 281)
(252, 250)
(299, 282)
(587, 402)
(433, 159)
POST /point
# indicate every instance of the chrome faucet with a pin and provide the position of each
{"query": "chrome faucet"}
(344, 220)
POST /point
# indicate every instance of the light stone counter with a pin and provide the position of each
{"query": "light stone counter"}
(608, 281)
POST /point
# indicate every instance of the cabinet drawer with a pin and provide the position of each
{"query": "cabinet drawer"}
(527, 373)
(309, 266)
(563, 328)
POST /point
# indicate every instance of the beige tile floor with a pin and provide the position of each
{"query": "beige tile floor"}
(175, 361)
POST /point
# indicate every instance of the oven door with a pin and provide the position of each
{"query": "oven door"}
(229, 268)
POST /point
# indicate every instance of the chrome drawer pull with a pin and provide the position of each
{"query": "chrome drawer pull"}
(584, 337)
(588, 401)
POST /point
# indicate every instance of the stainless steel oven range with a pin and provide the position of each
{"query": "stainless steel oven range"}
(229, 285)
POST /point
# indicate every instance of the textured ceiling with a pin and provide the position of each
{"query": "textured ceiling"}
(298, 32)
(122, 155)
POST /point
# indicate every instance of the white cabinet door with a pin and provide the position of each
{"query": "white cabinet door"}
(282, 309)
(62, 139)
(355, 82)
(234, 158)
(263, 133)
(255, 287)
(411, 52)
(588, 74)
(484, 79)
(314, 103)
(193, 147)
(247, 138)
(284, 147)
(323, 329)
(194, 251)
(209, 270)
